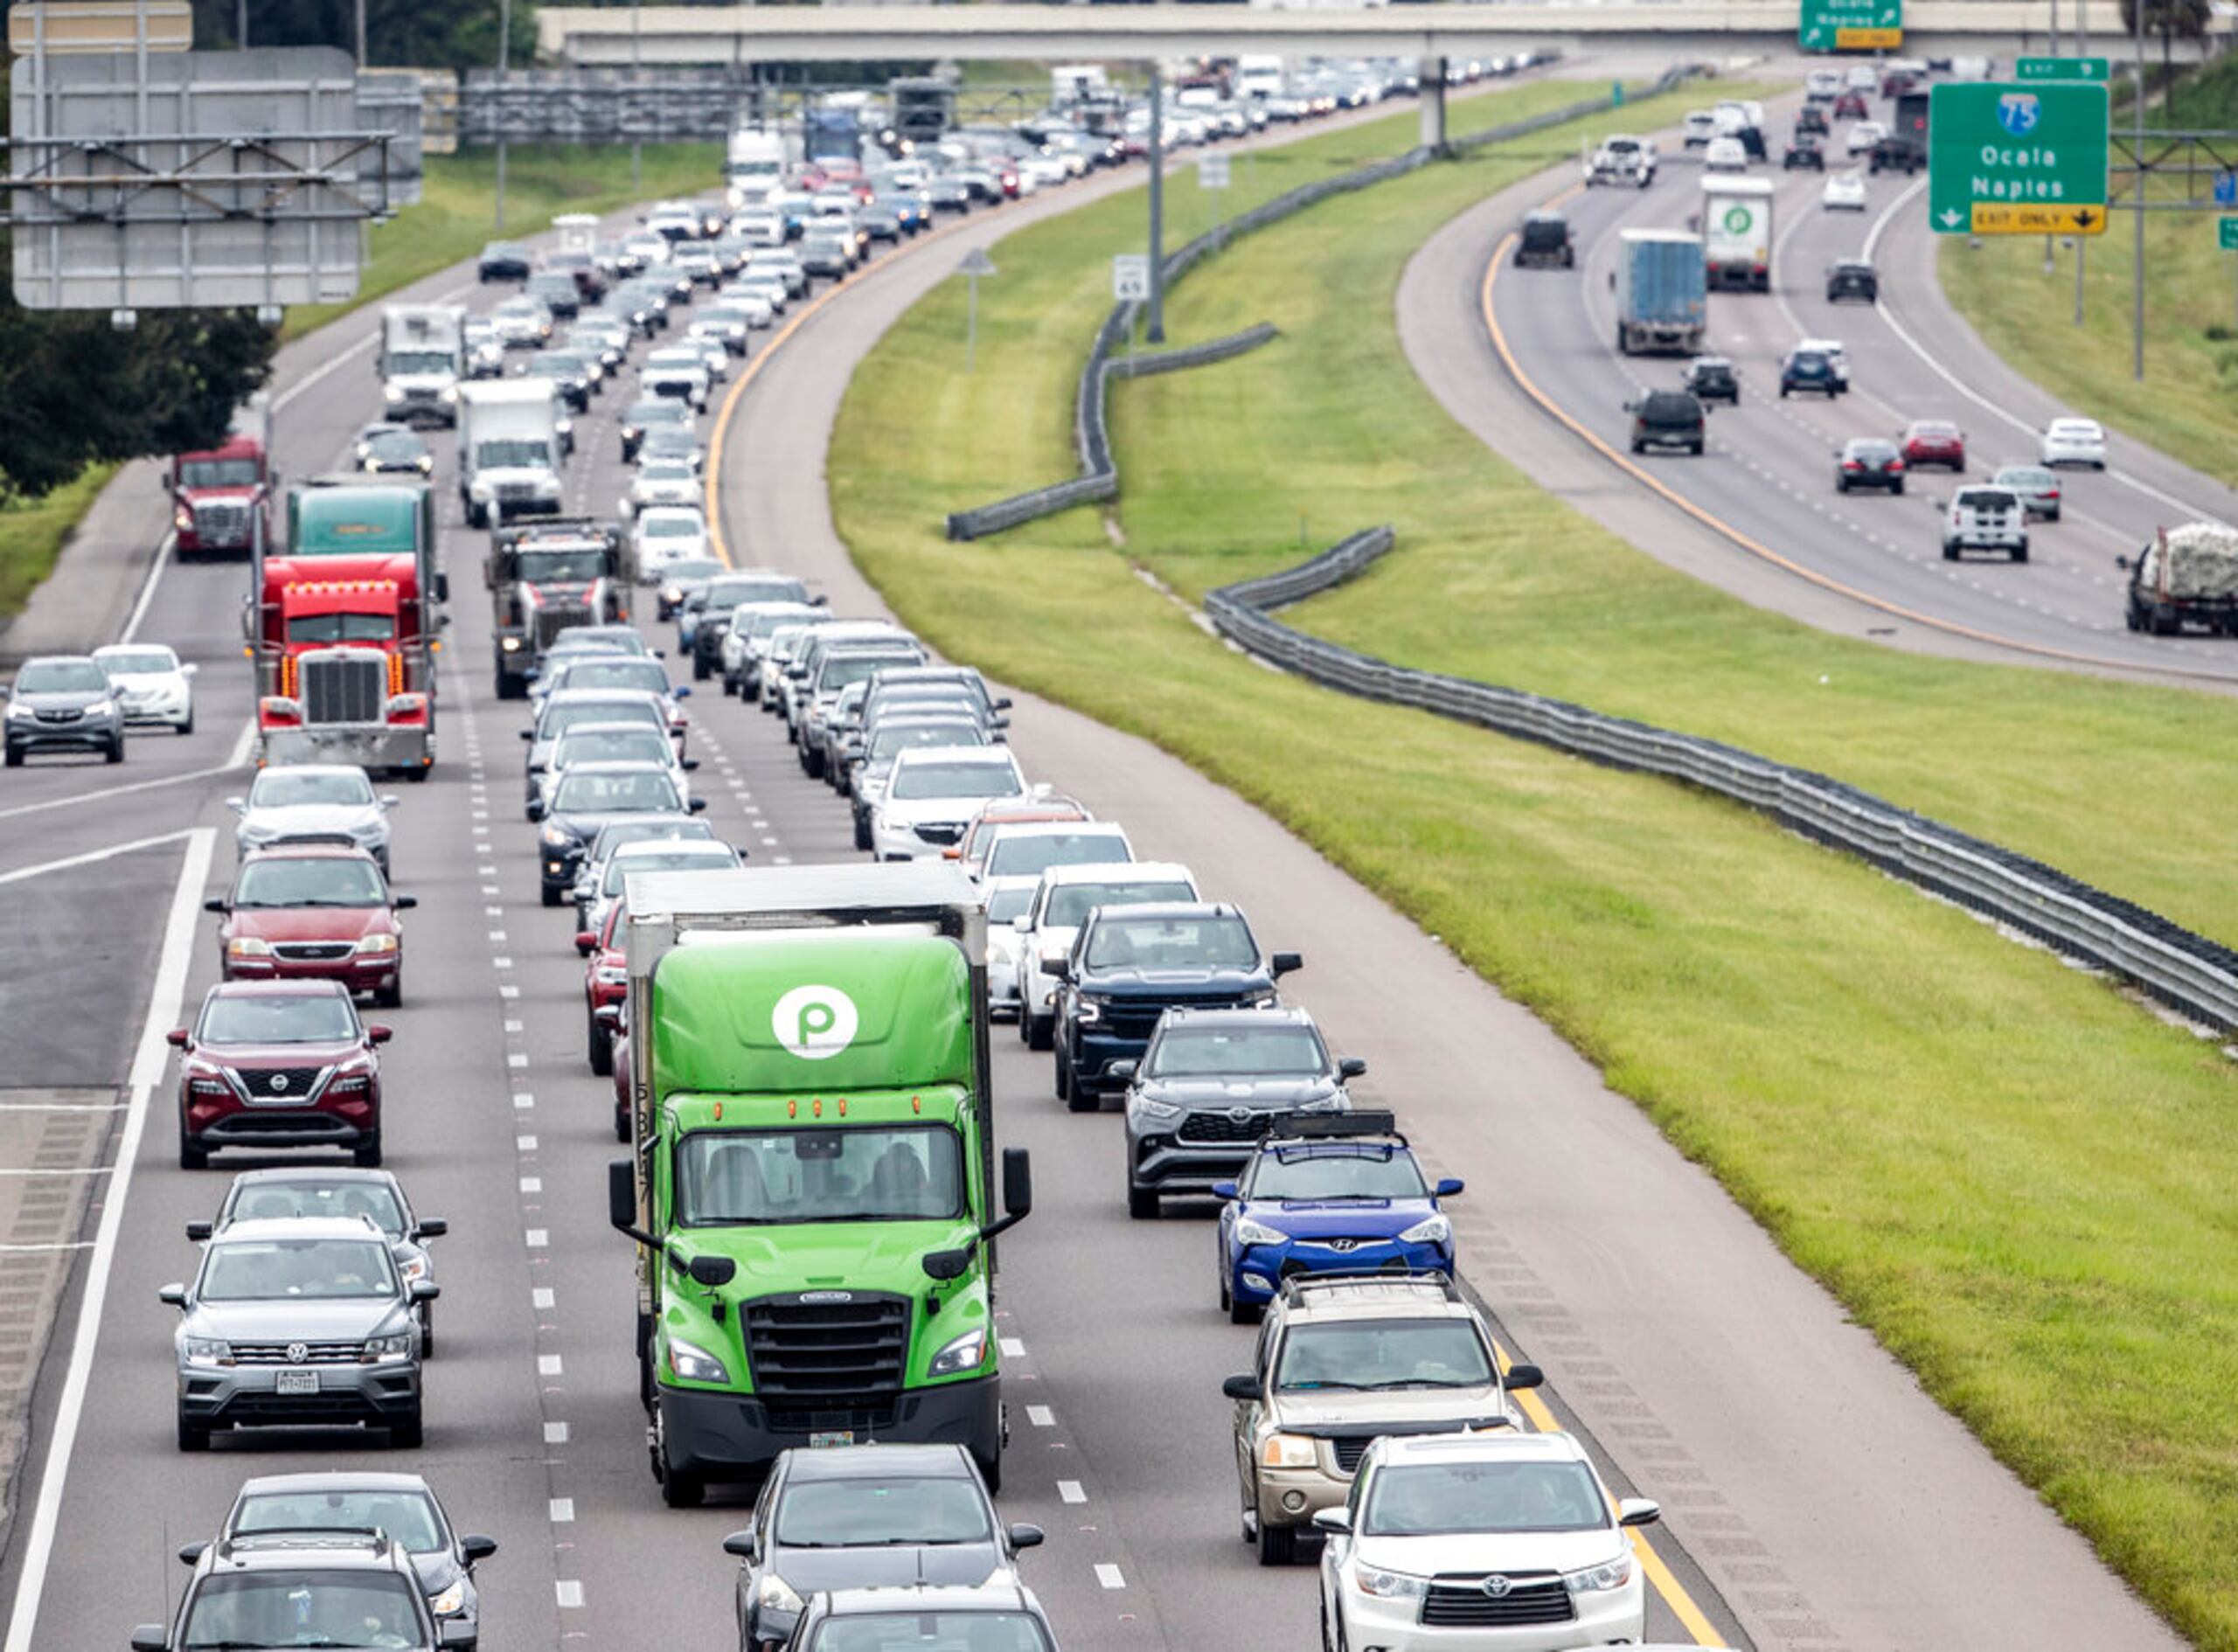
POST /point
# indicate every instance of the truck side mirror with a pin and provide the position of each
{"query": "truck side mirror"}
(621, 1193)
(429, 1227)
(442, 588)
(1285, 962)
(1017, 1182)
(1245, 1386)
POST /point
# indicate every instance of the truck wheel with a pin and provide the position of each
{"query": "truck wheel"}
(1142, 1203)
(621, 1123)
(679, 1489)
(1277, 1544)
(700, 671)
(1079, 1098)
(2165, 622)
(2128, 617)
(2020, 554)
(427, 1330)
(1949, 551)
(601, 1044)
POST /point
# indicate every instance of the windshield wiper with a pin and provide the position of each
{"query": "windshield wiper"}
(1293, 1388)
(1426, 1382)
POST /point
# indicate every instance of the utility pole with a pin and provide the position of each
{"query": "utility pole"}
(241, 26)
(504, 65)
(361, 33)
(2137, 202)
(636, 73)
(1157, 328)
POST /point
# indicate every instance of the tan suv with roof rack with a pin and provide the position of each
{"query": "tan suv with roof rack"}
(1342, 1359)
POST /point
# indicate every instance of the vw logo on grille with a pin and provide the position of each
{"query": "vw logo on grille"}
(1497, 1585)
(1239, 1115)
(298, 1352)
(279, 1084)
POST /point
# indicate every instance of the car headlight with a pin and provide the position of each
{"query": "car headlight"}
(376, 944)
(1434, 1230)
(557, 837)
(1250, 1232)
(611, 975)
(1261, 999)
(694, 1364)
(1091, 1010)
(248, 946)
(413, 1267)
(451, 1601)
(448, 393)
(1157, 1112)
(1386, 1585)
(208, 1350)
(481, 492)
(1610, 1574)
(372, 831)
(396, 1345)
(394, 393)
(17, 709)
(102, 708)
(773, 1593)
(1289, 1451)
(965, 1353)
(672, 594)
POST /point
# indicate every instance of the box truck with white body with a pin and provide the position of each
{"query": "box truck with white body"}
(422, 358)
(1737, 233)
(508, 450)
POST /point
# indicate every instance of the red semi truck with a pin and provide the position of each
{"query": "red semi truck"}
(221, 500)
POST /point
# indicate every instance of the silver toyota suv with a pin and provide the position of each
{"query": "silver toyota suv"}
(299, 1321)
(1341, 1360)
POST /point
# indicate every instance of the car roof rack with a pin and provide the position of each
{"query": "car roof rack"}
(1296, 1288)
(1334, 1126)
(371, 1537)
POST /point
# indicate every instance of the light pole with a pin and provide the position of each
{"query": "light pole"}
(1156, 331)
(2137, 272)
(637, 72)
(505, 64)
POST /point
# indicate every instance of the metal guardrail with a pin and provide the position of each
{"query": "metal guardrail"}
(1212, 350)
(2188, 971)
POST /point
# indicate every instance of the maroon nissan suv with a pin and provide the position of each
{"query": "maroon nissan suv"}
(271, 1064)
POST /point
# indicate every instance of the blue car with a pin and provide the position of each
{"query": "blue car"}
(1329, 1193)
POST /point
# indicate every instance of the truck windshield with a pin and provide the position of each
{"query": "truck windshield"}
(218, 473)
(1384, 1353)
(299, 1608)
(1171, 943)
(524, 455)
(562, 565)
(341, 627)
(422, 361)
(767, 1178)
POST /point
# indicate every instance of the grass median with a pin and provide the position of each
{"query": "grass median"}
(2015, 1178)
(33, 531)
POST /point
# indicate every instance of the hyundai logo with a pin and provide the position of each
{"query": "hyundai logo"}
(279, 1084)
(821, 1297)
(1497, 1585)
(298, 1352)
(1343, 1244)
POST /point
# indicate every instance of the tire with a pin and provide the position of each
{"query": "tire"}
(1142, 1203)
(1841, 485)
(2129, 618)
(551, 896)
(427, 1330)
(192, 1436)
(862, 832)
(621, 1124)
(115, 752)
(1897, 488)
(812, 760)
(1040, 1032)
(2021, 553)
(1783, 392)
(187, 728)
(367, 1156)
(1277, 1544)
(192, 1155)
(408, 1434)
(991, 1470)
(1061, 1082)
(1078, 1097)
(2053, 517)
(14, 757)
(679, 1489)
(1241, 1313)
(700, 669)
(1696, 450)
(391, 996)
(600, 1043)
(729, 686)
(1949, 552)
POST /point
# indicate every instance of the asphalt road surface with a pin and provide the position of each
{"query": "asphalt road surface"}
(1863, 564)
(1814, 1494)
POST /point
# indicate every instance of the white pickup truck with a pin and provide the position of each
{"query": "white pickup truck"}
(1622, 159)
(1985, 519)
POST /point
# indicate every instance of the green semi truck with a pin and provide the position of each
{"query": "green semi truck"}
(811, 1183)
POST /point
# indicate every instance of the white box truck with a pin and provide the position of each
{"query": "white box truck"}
(508, 450)
(422, 358)
(754, 167)
(1737, 233)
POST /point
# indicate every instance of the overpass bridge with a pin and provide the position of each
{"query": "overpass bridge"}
(741, 34)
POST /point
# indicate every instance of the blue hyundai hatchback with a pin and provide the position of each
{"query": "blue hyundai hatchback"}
(1328, 1193)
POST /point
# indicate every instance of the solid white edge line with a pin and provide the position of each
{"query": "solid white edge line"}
(92, 855)
(164, 999)
(244, 744)
(75, 798)
(164, 548)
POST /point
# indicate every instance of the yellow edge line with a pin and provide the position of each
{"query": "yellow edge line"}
(1725, 530)
(1658, 1572)
(761, 359)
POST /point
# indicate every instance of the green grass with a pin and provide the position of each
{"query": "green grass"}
(457, 214)
(2019, 1181)
(32, 532)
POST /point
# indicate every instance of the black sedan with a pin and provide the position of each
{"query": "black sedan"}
(1712, 378)
(1803, 151)
(1852, 278)
(1868, 461)
(504, 261)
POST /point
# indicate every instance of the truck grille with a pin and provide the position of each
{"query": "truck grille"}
(555, 618)
(221, 522)
(1219, 1127)
(811, 1357)
(344, 688)
(519, 492)
(1128, 1019)
(314, 1354)
(1531, 1598)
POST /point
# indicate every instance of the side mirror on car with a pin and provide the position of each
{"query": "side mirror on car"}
(404, 902)
(1350, 1067)
(175, 1294)
(1638, 1512)
(1026, 1537)
(697, 805)
(376, 1033)
(1124, 1070)
(528, 733)
(389, 800)
(1518, 1376)
(216, 905)
(690, 766)
(586, 942)
(1283, 963)
(682, 690)
(179, 1037)
(430, 1227)
(1332, 1519)
(239, 805)
(1449, 1187)
(424, 1290)
(2122, 563)
(475, 1547)
(1245, 1386)
(150, 1637)
(741, 1543)
(535, 808)
(1224, 1189)
(200, 1232)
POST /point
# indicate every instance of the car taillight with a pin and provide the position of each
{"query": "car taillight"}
(1895, 464)
(1852, 464)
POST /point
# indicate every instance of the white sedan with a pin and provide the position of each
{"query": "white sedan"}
(664, 481)
(667, 534)
(677, 371)
(1863, 135)
(1725, 155)
(2075, 441)
(151, 686)
(1844, 192)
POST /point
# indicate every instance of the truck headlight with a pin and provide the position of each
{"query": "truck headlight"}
(208, 1350)
(1289, 1451)
(1434, 1230)
(773, 1593)
(1091, 1010)
(448, 393)
(1250, 1232)
(694, 1363)
(1258, 999)
(1610, 1574)
(554, 837)
(965, 1353)
(394, 392)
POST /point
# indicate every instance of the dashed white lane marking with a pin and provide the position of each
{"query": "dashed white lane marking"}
(491, 889)
(1041, 1416)
(1070, 1491)
(548, 1364)
(544, 1296)
(87, 1170)
(1107, 1575)
(513, 1026)
(1012, 1348)
(563, 1511)
(503, 963)
(539, 1237)
(516, 1060)
(497, 935)
(532, 1184)
(569, 1591)
(555, 1433)
(508, 991)
(525, 1144)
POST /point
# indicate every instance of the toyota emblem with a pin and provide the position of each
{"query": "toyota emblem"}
(1239, 1115)
(298, 1352)
(1497, 1585)
(279, 1084)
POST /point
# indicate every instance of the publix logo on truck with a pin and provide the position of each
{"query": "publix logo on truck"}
(815, 1022)
(1740, 218)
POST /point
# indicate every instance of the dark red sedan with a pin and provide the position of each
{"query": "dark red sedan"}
(1933, 441)
(313, 912)
(271, 1064)
(606, 982)
(1852, 106)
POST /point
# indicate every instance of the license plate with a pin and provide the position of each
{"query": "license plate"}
(298, 1382)
(832, 1437)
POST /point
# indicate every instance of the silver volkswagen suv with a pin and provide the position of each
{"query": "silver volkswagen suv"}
(305, 1321)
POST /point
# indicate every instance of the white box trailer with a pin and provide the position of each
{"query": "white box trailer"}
(1737, 233)
(509, 450)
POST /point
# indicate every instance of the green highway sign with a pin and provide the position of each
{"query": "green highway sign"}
(2026, 69)
(1852, 26)
(2012, 160)
(2226, 233)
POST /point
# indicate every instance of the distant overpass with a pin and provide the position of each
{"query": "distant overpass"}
(655, 34)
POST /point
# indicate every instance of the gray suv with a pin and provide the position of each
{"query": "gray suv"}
(298, 1322)
(303, 1588)
(63, 703)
